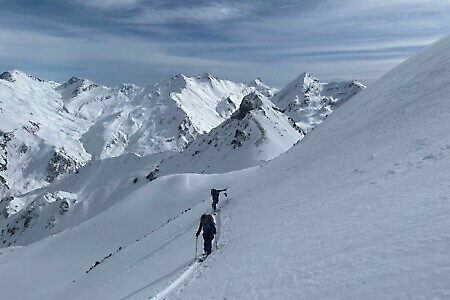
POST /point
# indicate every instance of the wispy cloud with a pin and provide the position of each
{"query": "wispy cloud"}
(100, 57)
(109, 4)
(273, 39)
(197, 14)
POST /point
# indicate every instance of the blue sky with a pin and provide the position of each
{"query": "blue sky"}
(137, 41)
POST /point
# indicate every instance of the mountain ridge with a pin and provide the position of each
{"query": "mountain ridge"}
(73, 122)
(183, 124)
(308, 101)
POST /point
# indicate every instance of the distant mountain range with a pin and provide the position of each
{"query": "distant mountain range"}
(198, 124)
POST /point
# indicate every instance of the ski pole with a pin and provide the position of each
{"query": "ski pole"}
(196, 242)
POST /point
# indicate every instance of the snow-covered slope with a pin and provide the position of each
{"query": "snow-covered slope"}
(257, 132)
(101, 122)
(91, 190)
(172, 113)
(74, 87)
(49, 130)
(357, 210)
(308, 101)
(160, 117)
(38, 139)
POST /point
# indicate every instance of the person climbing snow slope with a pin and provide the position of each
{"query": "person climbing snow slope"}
(215, 197)
(209, 230)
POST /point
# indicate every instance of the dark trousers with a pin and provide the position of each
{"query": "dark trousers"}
(207, 242)
(214, 205)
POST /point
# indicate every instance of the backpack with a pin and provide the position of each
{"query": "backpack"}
(208, 226)
(213, 191)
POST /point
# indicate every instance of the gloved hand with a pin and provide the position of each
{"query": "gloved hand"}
(197, 234)
(225, 194)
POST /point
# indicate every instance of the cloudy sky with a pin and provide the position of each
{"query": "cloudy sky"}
(143, 41)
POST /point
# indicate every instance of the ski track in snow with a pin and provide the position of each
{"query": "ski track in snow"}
(148, 234)
(127, 270)
(194, 267)
(189, 269)
(186, 274)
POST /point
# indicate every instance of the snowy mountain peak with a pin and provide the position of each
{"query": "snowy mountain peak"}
(261, 87)
(183, 80)
(257, 131)
(71, 81)
(308, 101)
(250, 102)
(178, 76)
(76, 81)
(207, 76)
(129, 88)
(15, 75)
(8, 76)
(173, 84)
(303, 76)
(258, 81)
(75, 86)
(307, 83)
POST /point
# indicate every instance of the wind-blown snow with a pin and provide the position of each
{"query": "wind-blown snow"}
(357, 210)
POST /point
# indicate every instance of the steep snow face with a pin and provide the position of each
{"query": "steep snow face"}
(162, 117)
(255, 133)
(109, 112)
(39, 140)
(308, 101)
(199, 98)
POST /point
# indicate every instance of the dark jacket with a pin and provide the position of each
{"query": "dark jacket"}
(215, 194)
(207, 225)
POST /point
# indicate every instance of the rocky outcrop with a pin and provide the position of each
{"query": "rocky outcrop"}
(60, 163)
(48, 207)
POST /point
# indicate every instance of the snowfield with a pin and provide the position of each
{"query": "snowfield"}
(359, 209)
